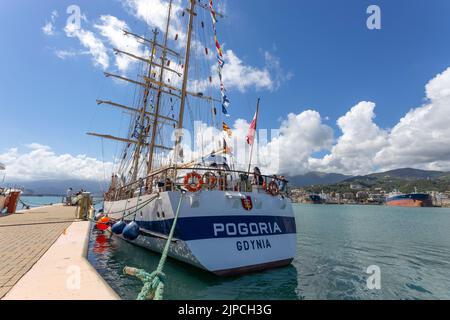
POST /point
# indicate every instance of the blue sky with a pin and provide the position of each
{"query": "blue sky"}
(334, 60)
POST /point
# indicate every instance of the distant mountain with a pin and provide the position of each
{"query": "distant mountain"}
(316, 178)
(410, 174)
(58, 187)
(405, 180)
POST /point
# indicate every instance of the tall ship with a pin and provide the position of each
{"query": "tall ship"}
(230, 220)
(9, 197)
(416, 199)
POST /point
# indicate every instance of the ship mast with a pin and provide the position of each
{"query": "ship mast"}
(151, 121)
(185, 81)
(158, 96)
(137, 152)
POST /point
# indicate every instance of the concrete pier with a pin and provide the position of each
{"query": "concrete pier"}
(43, 257)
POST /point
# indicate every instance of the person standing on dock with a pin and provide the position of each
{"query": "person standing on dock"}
(69, 196)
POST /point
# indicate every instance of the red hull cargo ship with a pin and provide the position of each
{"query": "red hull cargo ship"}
(409, 200)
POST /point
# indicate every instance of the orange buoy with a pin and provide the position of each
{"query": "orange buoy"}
(102, 223)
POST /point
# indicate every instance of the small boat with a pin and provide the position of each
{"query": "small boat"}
(9, 198)
(398, 199)
(315, 199)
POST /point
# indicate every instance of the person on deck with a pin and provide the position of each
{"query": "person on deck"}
(169, 185)
(257, 177)
(161, 184)
(282, 184)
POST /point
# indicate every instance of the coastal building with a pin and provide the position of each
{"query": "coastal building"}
(357, 187)
(362, 196)
(348, 196)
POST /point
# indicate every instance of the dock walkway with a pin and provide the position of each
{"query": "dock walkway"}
(25, 237)
(37, 249)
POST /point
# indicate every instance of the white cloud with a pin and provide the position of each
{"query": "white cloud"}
(154, 14)
(41, 162)
(360, 141)
(49, 27)
(300, 135)
(112, 28)
(94, 45)
(278, 74)
(422, 137)
(64, 54)
(285, 149)
(237, 75)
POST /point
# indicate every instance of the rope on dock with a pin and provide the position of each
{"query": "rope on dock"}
(154, 282)
(33, 205)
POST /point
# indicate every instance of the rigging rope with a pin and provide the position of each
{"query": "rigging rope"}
(154, 282)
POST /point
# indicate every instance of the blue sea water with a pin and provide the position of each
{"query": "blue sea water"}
(336, 245)
(36, 201)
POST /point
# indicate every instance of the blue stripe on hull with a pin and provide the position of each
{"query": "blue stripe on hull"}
(199, 228)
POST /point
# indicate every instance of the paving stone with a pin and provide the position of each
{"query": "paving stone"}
(24, 238)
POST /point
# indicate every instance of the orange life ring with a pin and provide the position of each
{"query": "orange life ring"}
(210, 180)
(273, 188)
(193, 186)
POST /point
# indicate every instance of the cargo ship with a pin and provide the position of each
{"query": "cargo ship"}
(397, 199)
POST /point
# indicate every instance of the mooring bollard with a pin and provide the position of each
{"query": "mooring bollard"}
(85, 206)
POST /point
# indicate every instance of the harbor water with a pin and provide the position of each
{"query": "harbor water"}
(336, 246)
(37, 201)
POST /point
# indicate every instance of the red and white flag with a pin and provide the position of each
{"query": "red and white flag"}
(252, 130)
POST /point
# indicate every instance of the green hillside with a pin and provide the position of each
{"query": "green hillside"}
(404, 180)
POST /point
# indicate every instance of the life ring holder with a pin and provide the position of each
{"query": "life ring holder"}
(210, 180)
(273, 188)
(193, 186)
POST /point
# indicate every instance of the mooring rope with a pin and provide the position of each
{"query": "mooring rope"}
(33, 205)
(138, 207)
(154, 282)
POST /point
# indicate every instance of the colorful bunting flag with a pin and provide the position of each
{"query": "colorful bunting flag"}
(220, 61)
(225, 111)
(227, 129)
(226, 148)
(252, 130)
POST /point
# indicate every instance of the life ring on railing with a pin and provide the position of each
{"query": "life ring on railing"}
(193, 182)
(273, 188)
(210, 180)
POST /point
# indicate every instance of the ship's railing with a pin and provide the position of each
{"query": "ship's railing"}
(172, 179)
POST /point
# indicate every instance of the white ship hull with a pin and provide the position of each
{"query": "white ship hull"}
(214, 231)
